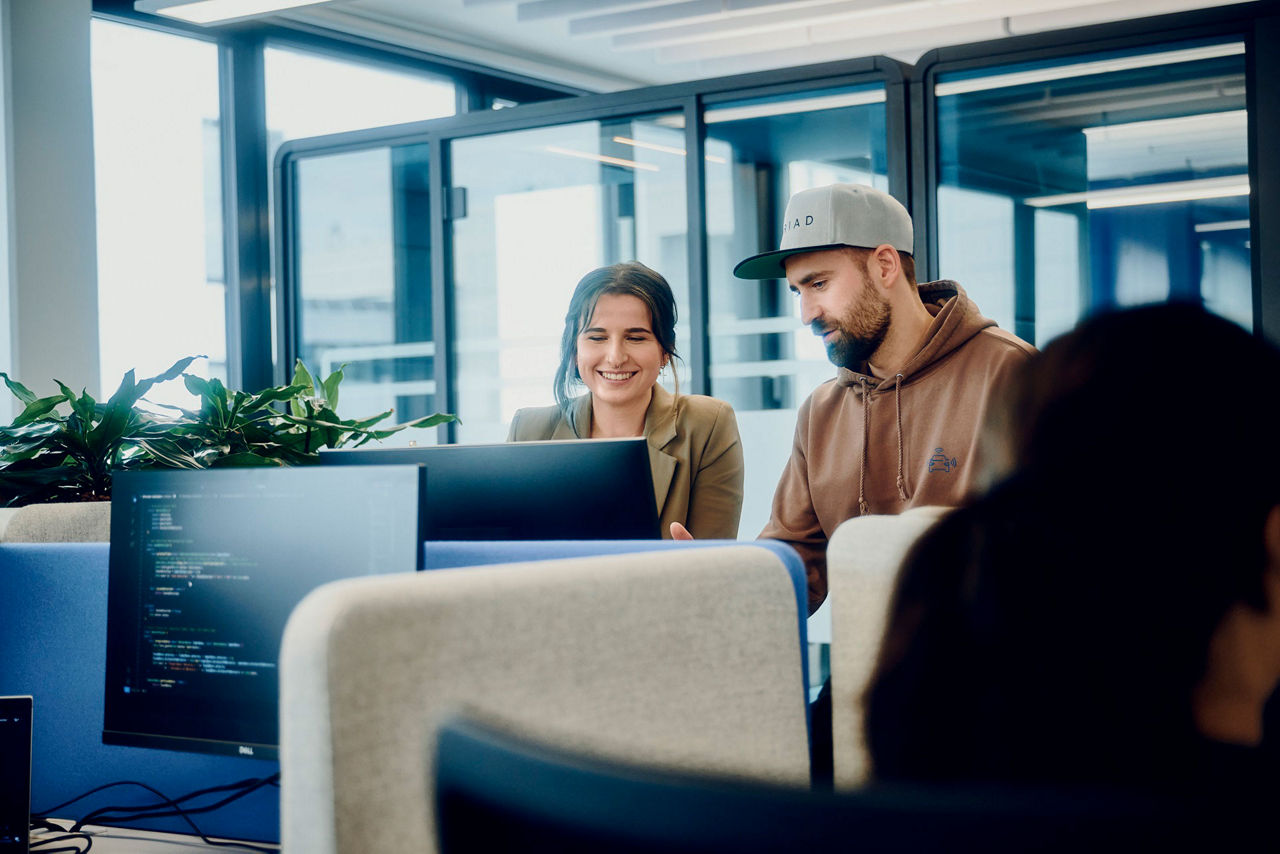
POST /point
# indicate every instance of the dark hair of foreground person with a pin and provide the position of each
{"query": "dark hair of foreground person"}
(1110, 612)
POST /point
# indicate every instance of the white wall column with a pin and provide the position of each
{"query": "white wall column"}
(52, 225)
(8, 304)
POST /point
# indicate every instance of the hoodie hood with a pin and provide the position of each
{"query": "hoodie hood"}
(956, 319)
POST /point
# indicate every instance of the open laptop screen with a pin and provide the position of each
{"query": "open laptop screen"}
(586, 489)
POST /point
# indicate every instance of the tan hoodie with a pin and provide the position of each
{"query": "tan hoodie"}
(880, 446)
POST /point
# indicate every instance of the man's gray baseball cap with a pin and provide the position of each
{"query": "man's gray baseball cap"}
(828, 218)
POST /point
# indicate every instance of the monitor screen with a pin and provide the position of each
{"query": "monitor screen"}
(15, 774)
(585, 489)
(205, 567)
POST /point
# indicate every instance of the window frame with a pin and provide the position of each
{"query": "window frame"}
(247, 174)
(688, 98)
(1251, 25)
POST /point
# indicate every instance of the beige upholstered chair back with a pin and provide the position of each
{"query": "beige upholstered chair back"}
(684, 658)
(73, 522)
(862, 564)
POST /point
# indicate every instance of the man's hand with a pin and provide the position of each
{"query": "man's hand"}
(680, 532)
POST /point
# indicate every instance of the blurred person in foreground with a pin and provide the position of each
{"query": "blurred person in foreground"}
(1109, 613)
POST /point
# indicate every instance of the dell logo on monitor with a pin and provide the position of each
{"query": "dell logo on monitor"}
(246, 750)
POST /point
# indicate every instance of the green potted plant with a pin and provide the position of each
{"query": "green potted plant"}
(65, 447)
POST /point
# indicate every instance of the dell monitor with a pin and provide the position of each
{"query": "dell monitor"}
(205, 567)
(585, 489)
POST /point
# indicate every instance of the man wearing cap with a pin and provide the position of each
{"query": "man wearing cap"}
(899, 425)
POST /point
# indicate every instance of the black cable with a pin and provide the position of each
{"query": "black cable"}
(104, 815)
(100, 816)
(63, 835)
(225, 787)
(40, 814)
(88, 843)
(245, 787)
(141, 812)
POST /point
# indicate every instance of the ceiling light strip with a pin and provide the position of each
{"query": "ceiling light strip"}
(601, 158)
(1082, 69)
(218, 11)
(1149, 194)
(1236, 121)
(716, 115)
(1227, 225)
(666, 149)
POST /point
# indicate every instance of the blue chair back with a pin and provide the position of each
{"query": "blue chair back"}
(53, 630)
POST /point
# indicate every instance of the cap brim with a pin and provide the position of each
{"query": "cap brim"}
(768, 265)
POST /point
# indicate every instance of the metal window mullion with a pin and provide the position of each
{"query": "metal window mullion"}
(442, 286)
(696, 228)
(1262, 77)
(245, 207)
(898, 142)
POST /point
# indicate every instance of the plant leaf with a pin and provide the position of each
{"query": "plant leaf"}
(37, 409)
(20, 391)
(331, 386)
(173, 371)
(272, 395)
(434, 420)
(115, 417)
(245, 459)
(301, 377)
(169, 454)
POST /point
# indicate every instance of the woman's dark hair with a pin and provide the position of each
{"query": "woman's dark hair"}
(1056, 628)
(630, 278)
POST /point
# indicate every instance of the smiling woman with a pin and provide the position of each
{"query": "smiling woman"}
(619, 337)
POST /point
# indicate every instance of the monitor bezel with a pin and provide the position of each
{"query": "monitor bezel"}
(626, 461)
(122, 723)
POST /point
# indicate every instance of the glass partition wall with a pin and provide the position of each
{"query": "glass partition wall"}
(543, 207)
(362, 278)
(1051, 175)
(508, 210)
(760, 150)
(1111, 178)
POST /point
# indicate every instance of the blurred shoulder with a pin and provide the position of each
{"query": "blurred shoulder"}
(1002, 343)
(535, 423)
(702, 409)
(703, 419)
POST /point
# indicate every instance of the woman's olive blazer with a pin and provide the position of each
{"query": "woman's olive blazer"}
(695, 454)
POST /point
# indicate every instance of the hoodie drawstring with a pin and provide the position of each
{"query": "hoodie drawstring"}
(902, 480)
(866, 440)
(866, 443)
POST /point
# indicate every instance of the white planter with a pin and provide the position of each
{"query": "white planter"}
(71, 522)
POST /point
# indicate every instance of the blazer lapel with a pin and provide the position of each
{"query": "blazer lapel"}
(578, 424)
(659, 430)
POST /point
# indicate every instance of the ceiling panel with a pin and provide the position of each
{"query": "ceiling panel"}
(605, 45)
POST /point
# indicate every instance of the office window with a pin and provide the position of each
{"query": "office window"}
(308, 94)
(158, 184)
(363, 289)
(759, 151)
(544, 207)
(1070, 185)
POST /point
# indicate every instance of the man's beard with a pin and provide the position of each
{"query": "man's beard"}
(859, 333)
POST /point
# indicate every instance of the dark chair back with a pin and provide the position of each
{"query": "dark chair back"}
(498, 792)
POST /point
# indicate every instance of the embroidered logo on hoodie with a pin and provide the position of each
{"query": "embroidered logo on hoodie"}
(941, 462)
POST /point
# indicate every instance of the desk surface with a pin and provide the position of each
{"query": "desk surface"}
(126, 840)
